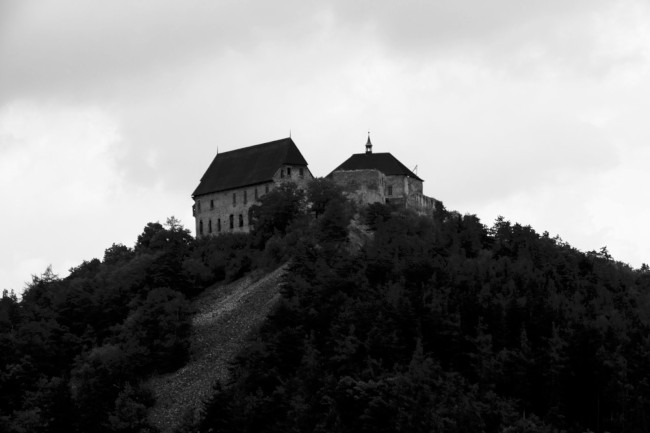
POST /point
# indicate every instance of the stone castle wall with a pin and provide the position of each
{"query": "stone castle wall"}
(372, 186)
(213, 211)
(362, 186)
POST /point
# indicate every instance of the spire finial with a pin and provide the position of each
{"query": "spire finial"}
(368, 144)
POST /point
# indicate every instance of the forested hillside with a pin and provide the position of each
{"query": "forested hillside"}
(408, 324)
(75, 352)
(445, 325)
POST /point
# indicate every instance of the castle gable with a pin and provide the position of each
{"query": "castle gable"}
(249, 166)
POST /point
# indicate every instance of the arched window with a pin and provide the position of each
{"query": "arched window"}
(201, 227)
(209, 226)
(241, 220)
(232, 222)
(218, 224)
(234, 198)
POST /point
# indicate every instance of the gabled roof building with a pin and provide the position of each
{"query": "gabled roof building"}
(381, 178)
(235, 180)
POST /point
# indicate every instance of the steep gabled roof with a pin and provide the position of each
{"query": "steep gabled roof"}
(384, 162)
(248, 166)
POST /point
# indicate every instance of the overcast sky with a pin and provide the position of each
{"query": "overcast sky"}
(110, 112)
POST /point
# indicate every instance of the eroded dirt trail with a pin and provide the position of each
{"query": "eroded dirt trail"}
(224, 317)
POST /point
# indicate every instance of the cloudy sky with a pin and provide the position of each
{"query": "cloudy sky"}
(110, 112)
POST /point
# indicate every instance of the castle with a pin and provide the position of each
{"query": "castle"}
(235, 181)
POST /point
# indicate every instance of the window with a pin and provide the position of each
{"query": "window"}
(232, 222)
(390, 189)
(288, 171)
(211, 204)
(234, 198)
(209, 226)
(266, 190)
(282, 172)
(256, 196)
(201, 227)
(301, 172)
(245, 196)
(218, 224)
(241, 220)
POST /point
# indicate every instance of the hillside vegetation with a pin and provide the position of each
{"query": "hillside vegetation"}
(410, 324)
(224, 315)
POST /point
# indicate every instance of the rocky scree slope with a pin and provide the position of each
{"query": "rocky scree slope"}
(225, 315)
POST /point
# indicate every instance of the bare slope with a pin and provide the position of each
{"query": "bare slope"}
(224, 316)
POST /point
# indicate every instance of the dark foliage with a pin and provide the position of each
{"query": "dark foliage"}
(435, 324)
(74, 351)
(445, 325)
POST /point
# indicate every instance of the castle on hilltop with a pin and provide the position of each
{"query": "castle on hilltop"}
(235, 181)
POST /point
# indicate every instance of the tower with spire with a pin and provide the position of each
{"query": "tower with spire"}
(368, 144)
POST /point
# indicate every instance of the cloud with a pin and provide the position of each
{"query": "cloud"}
(507, 106)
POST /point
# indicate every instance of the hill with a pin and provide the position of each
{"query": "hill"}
(385, 321)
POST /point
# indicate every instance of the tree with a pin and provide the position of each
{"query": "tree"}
(320, 192)
(117, 253)
(276, 211)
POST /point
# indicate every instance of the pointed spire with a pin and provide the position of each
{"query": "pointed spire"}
(368, 144)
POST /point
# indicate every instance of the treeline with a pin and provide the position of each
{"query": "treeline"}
(75, 351)
(442, 324)
(387, 322)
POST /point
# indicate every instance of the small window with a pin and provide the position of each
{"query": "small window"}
(211, 204)
(232, 222)
(241, 220)
(209, 226)
(245, 196)
(390, 189)
(234, 198)
(256, 195)
(218, 224)
(266, 190)
(201, 227)
(288, 171)
(282, 172)
(301, 172)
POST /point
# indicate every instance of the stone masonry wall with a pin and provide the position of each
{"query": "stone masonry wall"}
(402, 186)
(361, 186)
(213, 210)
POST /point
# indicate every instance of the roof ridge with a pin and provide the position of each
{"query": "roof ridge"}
(257, 145)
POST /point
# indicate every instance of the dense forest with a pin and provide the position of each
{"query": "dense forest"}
(388, 321)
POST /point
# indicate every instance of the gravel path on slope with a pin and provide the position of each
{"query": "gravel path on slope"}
(224, 317)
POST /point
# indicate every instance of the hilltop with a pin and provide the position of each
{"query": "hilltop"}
(379, 320)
